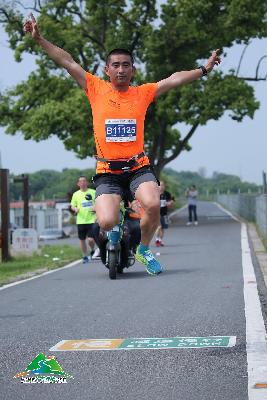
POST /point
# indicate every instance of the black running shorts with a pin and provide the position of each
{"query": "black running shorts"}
(86, 230)
(164, 222)
(109, 183)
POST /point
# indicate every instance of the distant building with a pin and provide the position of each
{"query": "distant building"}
(42, 214)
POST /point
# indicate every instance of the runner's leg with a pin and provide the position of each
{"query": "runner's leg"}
(91, 243)
(161, 232)
(107, 207)
(83, 247)
(157, 232)
(157, 235)
(148, 195)
(82, 230)
(145, 187)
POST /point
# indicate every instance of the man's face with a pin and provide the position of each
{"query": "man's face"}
(120, 70)
(82, 183)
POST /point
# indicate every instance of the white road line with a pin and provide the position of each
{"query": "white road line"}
(255, 329)
(226, 211)
(40, 275)
(177, 211)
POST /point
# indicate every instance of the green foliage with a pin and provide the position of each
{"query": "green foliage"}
(221, 182)
(49, 184)
(177, 37)
(172, 184)
(231, 94)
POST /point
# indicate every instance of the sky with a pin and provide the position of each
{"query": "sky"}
(223, 146)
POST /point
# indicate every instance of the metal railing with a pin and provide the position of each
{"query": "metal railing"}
(252, 207)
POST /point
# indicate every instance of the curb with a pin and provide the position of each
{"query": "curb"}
(257, 244)
(259, 250)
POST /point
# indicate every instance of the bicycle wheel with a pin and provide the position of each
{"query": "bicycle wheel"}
(112, 264)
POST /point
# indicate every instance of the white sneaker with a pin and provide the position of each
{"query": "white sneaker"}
(96, 254)
(196, 223)
(188, 223)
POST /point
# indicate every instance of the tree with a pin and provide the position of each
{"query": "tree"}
(218, 181)
(49, 184)
(49, 103)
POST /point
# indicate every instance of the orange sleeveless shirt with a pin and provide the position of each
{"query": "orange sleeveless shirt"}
(118, 120)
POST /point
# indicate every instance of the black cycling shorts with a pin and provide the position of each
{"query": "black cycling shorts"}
(109, 183)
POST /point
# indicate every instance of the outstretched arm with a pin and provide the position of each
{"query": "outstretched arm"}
(183, 77)
(60, 56)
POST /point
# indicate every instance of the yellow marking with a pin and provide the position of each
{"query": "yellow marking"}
(260, 385)
(90, 344)
(20, 374)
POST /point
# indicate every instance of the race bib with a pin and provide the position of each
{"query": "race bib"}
(120, 130)
(163, 203)
(88, 203)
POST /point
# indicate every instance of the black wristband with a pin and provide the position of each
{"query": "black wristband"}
(203, 69)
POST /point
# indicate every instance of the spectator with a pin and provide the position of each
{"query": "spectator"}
(191, 194)
(166, 201)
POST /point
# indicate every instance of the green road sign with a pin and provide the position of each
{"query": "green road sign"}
(177, 342)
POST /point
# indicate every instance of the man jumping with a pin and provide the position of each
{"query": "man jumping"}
(119, 111)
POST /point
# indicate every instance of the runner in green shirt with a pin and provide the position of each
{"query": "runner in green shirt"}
(83, 204)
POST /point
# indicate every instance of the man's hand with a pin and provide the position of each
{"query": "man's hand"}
(213, 60)
(60, 56)
(183, 77)
(169, 203)
(30, 26)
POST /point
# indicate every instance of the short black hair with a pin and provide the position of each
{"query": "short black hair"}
(82, 176)
(119, 51)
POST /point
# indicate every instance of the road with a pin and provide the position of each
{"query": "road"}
(200, 294)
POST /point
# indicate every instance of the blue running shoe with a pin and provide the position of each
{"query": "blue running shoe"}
(85, 260)
(145, 257)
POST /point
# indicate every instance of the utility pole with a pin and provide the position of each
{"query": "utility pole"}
(264, 182)
(25, 196)
(26, 201)
(5, 223)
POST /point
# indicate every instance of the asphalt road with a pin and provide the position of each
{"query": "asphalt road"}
(200, 293)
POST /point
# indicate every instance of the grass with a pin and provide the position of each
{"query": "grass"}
(50, 257)
(263, 238)
(264, 241)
